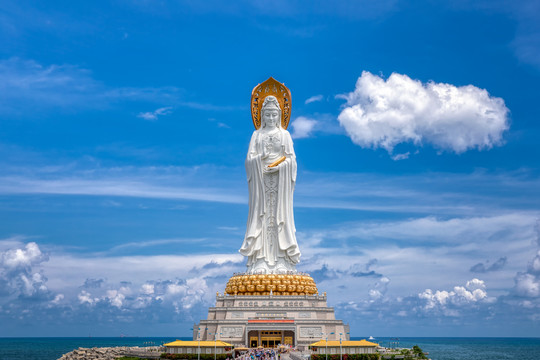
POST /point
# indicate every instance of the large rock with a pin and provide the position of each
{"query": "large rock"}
(108, 353)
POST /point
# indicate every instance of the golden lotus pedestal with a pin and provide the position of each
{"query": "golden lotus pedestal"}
(275, 284)
(270, 310)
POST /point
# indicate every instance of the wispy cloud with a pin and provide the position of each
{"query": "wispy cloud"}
(433, 193)
(153, 115)
(314, 98)
(497, 265)
(114, 187)
(402, 156)
(289, 9)
(152, 243)
(526, 41)
(303, 127)
(309, 126)
(439, 193)
(27, 84)
(451, 231)
(14, 241)
(229, 228)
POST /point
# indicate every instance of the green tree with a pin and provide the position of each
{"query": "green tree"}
(418, 352)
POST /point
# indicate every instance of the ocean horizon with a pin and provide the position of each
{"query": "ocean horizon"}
(439, 348)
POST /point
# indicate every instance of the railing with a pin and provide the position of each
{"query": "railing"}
(298, 355)
(153, 352)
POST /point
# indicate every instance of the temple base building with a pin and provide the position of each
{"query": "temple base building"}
(268, 318)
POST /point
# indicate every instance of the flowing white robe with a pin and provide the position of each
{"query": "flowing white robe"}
(257, 245)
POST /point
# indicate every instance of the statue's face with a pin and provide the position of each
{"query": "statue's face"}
(271, 117)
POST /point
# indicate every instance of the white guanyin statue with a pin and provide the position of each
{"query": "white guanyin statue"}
(270, 241)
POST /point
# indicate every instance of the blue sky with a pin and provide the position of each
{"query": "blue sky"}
(123, 132)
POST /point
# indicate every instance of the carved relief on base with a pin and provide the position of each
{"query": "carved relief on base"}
(311, 332)
(231, 332)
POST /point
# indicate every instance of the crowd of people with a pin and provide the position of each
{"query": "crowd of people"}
(259, 354)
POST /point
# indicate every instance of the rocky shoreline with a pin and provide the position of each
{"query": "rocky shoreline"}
(111, 353)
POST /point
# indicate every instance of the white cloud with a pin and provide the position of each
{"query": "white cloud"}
(116, 298)
(22, 258)
(474, 291)
(133, 290)
(153, 115)
(459, 307)
(527, 284)
(57, 299)
(113, 297)
(379, 290)
(86, 297)
(384, 113)
(314, 99)
(303, 127)
(147, 289)
(17, 274)
(445, 248)
(12, 242)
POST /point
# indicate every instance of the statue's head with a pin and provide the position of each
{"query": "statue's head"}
(271, 112)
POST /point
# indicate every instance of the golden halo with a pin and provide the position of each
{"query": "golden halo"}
(267, 88)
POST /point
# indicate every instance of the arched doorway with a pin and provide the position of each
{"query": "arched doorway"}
(253, 339)
(288, 337)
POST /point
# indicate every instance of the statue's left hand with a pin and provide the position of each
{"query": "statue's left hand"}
(271, 169)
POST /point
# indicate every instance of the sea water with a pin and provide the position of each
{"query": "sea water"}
(438, 348)
(54, 348)
(472, 348)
